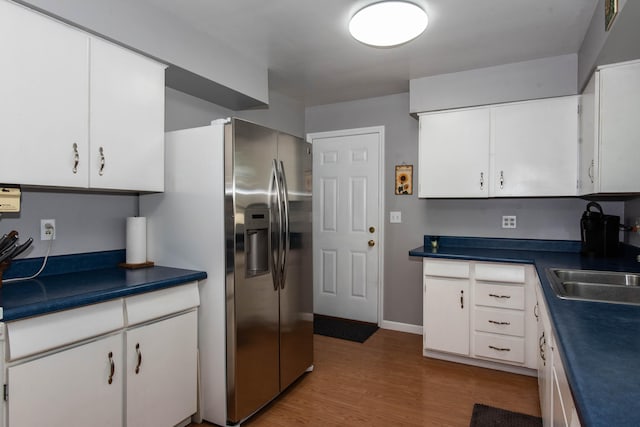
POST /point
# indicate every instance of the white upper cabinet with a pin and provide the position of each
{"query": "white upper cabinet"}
(523, 149)
(535, 146)
(44, 101)
(77, 111)
(609, 146)
(442, 137)
(127, 120)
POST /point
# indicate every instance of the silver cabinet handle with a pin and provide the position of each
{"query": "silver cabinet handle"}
(113, 367)
(499, 348)
(501, 179)
(541, 342)
(139, 353)
(499, 323)
(102, 162)
(76, 158)
(591, 169)
(500, 296)
(482, 180)
(461, 299)
(536, 308)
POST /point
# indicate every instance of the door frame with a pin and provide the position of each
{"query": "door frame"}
(379, 130)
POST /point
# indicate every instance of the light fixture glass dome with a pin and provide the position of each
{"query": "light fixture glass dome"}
(388, 23)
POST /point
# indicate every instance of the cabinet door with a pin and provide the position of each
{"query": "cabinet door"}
(535, 148)
(588, 131)
(619, 96)
(162, 371)
(446, 315)
(454, 154)
(69, 388)
(44, 100)
(127, 120)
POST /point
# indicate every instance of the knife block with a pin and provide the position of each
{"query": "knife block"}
(3, 266)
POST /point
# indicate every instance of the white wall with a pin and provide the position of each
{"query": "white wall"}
(540, 78)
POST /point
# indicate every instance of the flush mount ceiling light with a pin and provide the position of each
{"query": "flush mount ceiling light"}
(388, 23)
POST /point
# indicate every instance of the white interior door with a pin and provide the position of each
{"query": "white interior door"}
(346, 223)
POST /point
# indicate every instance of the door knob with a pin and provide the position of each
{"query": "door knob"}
(371, 243)
(372, 229)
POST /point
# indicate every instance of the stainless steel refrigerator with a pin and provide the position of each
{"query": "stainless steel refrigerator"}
(237, 204)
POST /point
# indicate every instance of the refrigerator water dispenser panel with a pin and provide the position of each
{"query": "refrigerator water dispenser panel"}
(257, 241)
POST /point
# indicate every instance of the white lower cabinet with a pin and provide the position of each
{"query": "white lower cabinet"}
(556, 401)
(446, 315)
(74, 387)
(162, 371)
(90, 366)
(480, 313)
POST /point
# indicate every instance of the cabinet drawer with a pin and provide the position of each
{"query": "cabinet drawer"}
(144, 307)
(501, 347)
(500, 273)
(503, 296)
(499, 321)
(456, 269)
(43, 333)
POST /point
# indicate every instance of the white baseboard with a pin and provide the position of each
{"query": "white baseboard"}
(402, 327)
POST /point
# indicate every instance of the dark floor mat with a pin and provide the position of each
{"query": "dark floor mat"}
(345, 329)
(488, 416)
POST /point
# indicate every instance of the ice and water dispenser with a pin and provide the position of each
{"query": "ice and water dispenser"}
(257, 240)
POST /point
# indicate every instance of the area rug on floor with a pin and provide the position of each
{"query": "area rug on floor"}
(345, 329)
(488, 416)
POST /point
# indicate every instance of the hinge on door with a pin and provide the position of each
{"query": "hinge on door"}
(5, 393)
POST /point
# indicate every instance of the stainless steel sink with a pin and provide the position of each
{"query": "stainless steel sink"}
(591, 285)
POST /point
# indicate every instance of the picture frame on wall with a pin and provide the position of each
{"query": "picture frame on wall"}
(404, 180)
(610, 12)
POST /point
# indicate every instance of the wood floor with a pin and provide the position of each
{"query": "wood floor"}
(387, 382)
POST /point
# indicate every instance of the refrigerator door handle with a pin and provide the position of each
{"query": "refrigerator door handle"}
(286, 232)
(276, 210)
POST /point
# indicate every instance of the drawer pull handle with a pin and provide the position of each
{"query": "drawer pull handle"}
(139, 353)
(76, 158)
(536, 309)
(499, 348)
(102, 162)
(500, 296)
(499, 323)
(113, 367)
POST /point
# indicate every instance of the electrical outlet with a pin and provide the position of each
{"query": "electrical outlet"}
(509, 221)
(47, 229)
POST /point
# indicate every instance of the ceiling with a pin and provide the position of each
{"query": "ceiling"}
(312, 58)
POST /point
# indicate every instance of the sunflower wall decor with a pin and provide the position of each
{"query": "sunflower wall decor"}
(404, 179)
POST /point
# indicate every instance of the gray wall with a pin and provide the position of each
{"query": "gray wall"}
(85, 222)
(539, 78)
(552, 218)
(184, 111)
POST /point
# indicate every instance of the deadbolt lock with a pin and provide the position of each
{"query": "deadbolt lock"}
(372, 229)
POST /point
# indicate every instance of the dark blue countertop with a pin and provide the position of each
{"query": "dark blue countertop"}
(78, 280)
(599, 343)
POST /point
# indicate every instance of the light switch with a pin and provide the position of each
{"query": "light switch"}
(395, 217)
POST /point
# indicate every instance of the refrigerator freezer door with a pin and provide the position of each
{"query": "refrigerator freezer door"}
(296, 293)
(252, 301)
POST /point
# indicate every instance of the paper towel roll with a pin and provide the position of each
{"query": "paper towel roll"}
(136, 240)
